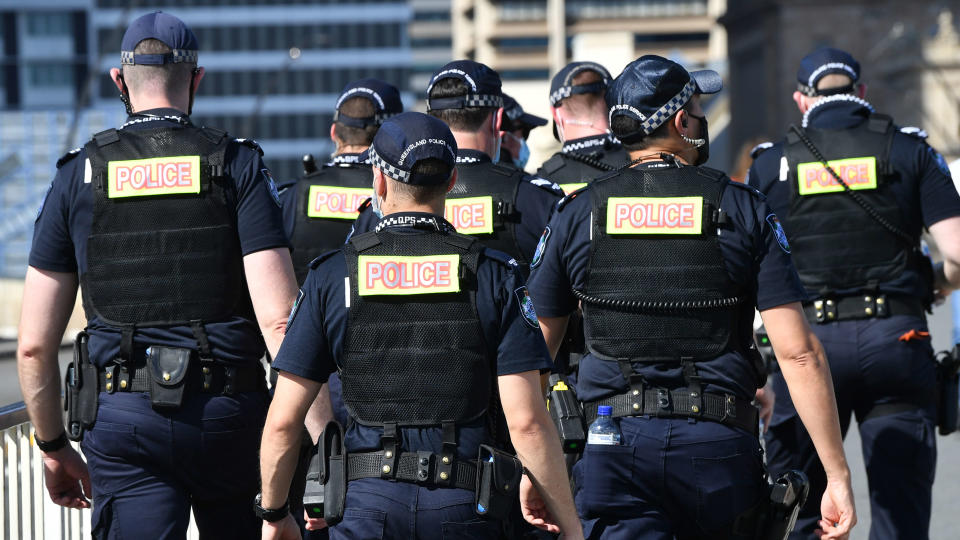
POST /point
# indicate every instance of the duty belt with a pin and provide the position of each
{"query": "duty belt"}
(416, 467)
(210, 378)
(663, 403)
(866, 306)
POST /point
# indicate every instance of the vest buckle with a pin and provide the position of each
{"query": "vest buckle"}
(663, 400)
(729, 406)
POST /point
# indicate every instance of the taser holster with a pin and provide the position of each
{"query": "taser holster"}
(326, 488)
(565, 411)
(81, 390)
(774, 517)
(168, 367)
(948, 390)
(498, 482)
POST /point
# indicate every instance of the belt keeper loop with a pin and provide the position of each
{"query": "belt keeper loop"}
(391, 447)
(663, 401)
(423, 466)
(443, 474)
(729, 406)
(111, 377)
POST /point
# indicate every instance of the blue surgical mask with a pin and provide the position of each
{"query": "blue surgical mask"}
(375, 205)
(523, 155)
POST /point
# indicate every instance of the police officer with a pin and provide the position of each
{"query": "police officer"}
(416, 319)
(668, 260)
(499, 204)
(859, 258)
(517, 125)
(320, 207)
(175, 233)
(580, 124)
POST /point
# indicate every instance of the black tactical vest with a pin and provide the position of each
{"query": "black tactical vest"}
(158, 258)
(325, 211)
(499, 184)
(414, 359)
(834, 242)
(570, 169)
(659, 296)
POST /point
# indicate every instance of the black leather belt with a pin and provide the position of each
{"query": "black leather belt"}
(865, 306)
(415, 467)
(663, 403)
(207, 377)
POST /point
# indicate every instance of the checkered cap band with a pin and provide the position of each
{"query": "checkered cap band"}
(480, 100)
(669, 108)
(176, 56)
(387, 168)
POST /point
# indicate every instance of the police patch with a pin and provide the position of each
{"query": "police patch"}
(541, 246)
(271, 186)
(941, 163)
(774, 222)
(295, 308)
(526, 307)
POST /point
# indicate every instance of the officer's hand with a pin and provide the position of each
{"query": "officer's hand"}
(837, 509)
(285, 529)
(67, 478)
(314, 524)
(534, 509)
(765, 399)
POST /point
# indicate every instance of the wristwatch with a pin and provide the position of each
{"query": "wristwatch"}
(270, 514)
(52, 445)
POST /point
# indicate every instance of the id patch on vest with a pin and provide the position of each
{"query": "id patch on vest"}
(334, 202)
(858, 173)
(570, 188)
(396, 275)
(654, 215)
(471, 215)
(153, 176)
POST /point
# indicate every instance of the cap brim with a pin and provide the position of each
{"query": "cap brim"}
(532, 120)
(707, 80)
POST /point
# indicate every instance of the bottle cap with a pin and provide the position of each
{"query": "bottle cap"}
(604, 410)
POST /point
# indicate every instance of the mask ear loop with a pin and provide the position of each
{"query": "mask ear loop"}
(125, 94)
(697, 143)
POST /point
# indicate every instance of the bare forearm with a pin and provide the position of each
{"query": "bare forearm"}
(39, 375)
(319, 414)
(278, 460)
(539, 450)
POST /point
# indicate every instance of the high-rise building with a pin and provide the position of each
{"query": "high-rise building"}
(430, 42)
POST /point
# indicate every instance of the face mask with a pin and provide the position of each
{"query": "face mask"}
(703, 143)
(523, 155)
(496, 153)
(376, 203)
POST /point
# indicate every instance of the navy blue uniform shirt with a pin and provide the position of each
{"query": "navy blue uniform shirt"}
(536, 198)
(754, 259)
(64, 222)
(313, 345)
(924, 187)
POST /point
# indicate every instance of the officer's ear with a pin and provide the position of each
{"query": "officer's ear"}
(198, 74)
(333, 132)
(379, 183)
(116, 76)
(453, 180)
(680, 122)
(798, 98)
(497, 120)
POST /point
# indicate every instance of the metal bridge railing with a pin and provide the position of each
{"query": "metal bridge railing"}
(26, 511)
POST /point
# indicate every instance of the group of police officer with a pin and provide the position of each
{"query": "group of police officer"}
(414, 327)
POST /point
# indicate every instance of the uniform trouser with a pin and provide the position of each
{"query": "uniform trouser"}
(148, 469)
(671, 478)
(870, 366)
(376, 509)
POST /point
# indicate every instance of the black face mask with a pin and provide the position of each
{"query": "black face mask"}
(703, 143)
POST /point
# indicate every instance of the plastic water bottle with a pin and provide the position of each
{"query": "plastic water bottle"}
(603, 430)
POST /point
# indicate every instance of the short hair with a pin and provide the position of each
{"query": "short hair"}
(626, 127)
(356, 107)
(167, 78)
(423, 194)
(831, 81)
(585, 105)
(466, 119)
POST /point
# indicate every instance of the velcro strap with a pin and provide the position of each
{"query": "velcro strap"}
(411, 469)
(680, 403)
(861, 306)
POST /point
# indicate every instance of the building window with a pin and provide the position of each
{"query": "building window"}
(50, 75)
(431, 43)
(48, 24)
(431, 16)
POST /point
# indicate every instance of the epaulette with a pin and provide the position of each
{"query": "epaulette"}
(285, 186)
(760, 148)
(752, 190)
(500, 257)
(914, 132)
(543, 183)
(68, 156)
(365, 204)
(251, 143)
(571, 196)
(316, 262)
(552, 165)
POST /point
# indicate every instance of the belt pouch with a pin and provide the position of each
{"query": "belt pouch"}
(82, 390)
(498, 483)
(168, 368)
(948, 392)
(332, 473)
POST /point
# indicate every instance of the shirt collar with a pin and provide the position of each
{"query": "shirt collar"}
(603, 141)
(350, 159)
(467, 155)
(415, 220)
(156, 115)
(837, 112)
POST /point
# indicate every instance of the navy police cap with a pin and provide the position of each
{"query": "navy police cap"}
(652, 89)
(409, 137)
(822, 62)
(562, 87)
(384, 96)
(166, 28)
(483, 86)
(514, 117)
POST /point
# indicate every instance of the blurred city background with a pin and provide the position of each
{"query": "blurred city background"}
(275, 67)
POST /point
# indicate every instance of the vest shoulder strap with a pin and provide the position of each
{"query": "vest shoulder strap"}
(552, 165)
(505, 170)
(105, 137)
(214, 134)
(365, 241)
(461, 241)
(879, 123)
(365, 204)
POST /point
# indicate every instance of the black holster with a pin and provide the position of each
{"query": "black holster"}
(566, 414)
(81, 390)
(498, 483)
(775, 517)
(168, 367)
(326, 489)
(948, 391)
